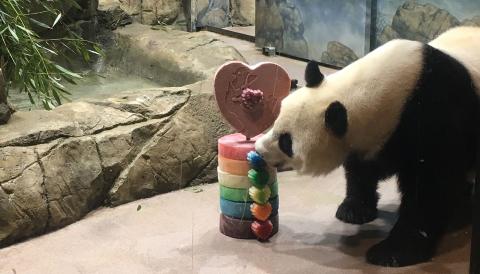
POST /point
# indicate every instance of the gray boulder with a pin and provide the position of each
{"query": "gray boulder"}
(415, 21)
(338, 54)
(215, 17)
(269, 26)
(280, 24)
(473, 22)
(5, 109)
(242, 12)
(104, 152)
(387, 34)
(293, 41)
(149, 12)
(167, 56)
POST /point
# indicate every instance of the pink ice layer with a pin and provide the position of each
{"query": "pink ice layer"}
(235, 146)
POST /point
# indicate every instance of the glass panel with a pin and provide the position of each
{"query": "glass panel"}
(213, 13)
(423, 20)
(330, 31)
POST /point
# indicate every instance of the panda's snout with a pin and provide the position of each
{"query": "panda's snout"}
(262, 149)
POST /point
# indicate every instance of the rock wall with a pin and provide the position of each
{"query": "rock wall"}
(421, 22)
(338, 54)
(59, 165)
(242, 12)
(216, 13)
(148, 12)
(82, 20)
(474, 22)
(6, 109)
(168, 56)
(279, 23)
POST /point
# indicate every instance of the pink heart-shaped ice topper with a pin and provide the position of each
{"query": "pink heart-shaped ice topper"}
(263, 87)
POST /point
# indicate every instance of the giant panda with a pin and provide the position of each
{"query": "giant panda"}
(407, 109)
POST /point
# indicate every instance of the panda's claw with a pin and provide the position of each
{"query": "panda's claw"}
(353, 211)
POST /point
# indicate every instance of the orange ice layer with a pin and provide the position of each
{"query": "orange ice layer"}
(233, 167)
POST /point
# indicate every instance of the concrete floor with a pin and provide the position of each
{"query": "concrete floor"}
(178, 233)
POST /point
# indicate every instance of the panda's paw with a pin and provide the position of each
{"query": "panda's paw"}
(398, 253)
(353, 211)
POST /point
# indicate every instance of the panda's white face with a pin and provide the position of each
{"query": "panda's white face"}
(300, 139)
(354, 109)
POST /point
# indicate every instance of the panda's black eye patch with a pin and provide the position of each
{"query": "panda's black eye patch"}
(285, 144)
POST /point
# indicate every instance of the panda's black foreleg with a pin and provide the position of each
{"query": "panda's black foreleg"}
(422, 219)
(360, 203)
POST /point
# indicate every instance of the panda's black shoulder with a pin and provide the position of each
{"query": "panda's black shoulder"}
(442, 71)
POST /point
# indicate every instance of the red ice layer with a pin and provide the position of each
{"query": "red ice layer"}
(235, 146)
(241, 229)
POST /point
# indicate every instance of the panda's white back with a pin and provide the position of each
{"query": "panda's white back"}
(463, 44)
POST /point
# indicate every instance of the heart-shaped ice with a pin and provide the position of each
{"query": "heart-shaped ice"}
(249, 96)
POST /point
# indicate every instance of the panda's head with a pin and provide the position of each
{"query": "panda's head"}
(308, 134)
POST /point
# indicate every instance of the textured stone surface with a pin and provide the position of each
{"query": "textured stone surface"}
(23, 205)
(215, 13)
(182, 153)
(338, 54)
(149, 12)
(111, 16)
(87, 11)
(5, 109)
(57, 166)
(168, 56)
(474, 21)
(70, 120)
(280, 24)
(242, 12)
(215, 17)
(387, 34)
(421, 22)
(269, 24)
(74, 182)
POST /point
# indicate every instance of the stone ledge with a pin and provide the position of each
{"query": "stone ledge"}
(60, 165)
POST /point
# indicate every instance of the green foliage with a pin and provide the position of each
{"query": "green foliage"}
(27, 58)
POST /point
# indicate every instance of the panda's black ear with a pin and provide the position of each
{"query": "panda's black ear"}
(336, 119)
(313, 76)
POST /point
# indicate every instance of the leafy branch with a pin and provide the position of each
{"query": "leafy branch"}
(28, 59)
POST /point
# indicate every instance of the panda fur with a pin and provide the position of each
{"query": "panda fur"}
(407, 109)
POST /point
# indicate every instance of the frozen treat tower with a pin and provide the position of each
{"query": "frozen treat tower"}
(249, 99)
(248, 196)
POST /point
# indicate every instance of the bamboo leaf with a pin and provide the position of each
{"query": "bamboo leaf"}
(57, 19)
(66, 71)
(28, 64)
(26, 30)
(14, 34)
(38, 23)
(94, 52)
